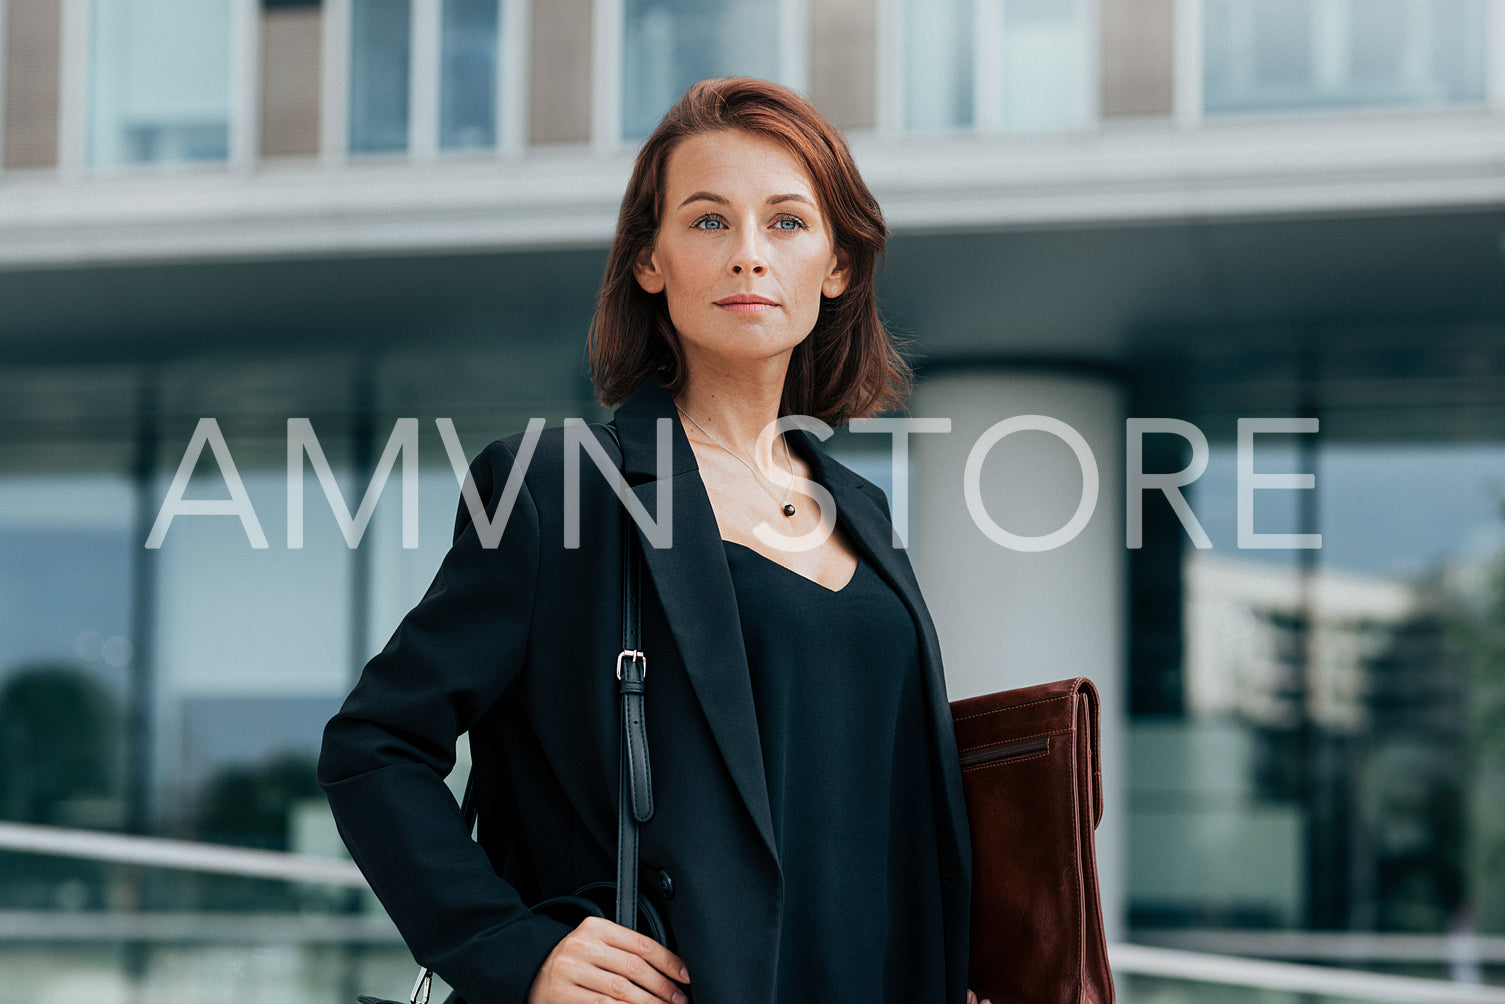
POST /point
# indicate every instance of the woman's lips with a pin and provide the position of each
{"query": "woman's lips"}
(746, 304)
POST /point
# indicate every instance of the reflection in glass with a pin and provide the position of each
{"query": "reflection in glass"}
(938, 40)
(65, 654)
(249, 651)
(1335, 724)
(253, 654)
(159, 82)
(1280, 55)
(380, 37)
(468, 68)
(670, 44)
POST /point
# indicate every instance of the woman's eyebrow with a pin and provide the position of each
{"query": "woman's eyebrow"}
(722, 200)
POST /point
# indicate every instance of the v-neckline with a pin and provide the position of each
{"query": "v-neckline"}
(800, 575)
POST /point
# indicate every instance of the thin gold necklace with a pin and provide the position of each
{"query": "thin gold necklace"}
(784, 504)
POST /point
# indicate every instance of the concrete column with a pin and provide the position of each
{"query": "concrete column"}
(1008, 617)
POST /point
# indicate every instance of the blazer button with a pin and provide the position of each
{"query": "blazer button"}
(666, 884)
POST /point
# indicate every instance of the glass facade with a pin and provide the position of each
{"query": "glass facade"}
(939, 42)
(66, 654)
(181, 691)
(1044, 65)
(996, 65)
(468, 74)
(160, 78)
(380, 63)
(670, 44)
(159, 81)
(1315, 732)
(1290, 55)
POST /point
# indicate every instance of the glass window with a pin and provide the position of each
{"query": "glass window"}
(160, 81)
(1043, 64)
(468, 68)
(67, 662)
(670, 44)
(938, 65)
(217, 661)
(1327, 718)
(66, 657)
(380, 46)
(995, 65)
(1279, 55)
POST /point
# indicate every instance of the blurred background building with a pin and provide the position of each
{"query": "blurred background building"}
(355, 211)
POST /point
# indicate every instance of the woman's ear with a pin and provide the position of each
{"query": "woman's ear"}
(835, 282)
(645, 270)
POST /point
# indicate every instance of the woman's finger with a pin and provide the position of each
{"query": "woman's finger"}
(588, 964)
(623, 975)
(642, 946)
(597, 984)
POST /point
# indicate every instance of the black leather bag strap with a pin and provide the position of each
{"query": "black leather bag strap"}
(635, 797)
(635, 787)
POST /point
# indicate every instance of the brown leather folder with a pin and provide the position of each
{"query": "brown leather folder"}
(1032, 774)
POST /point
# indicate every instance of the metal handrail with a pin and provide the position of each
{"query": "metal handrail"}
(1347, 984)
(185, 855)
(1167, 963)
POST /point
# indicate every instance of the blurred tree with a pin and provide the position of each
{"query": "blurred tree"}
(59, 764)
(1415, 773)
(59, 742)
(250, 805)
(1480, 634)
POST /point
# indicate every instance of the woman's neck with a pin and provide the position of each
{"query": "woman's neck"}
(734, 410)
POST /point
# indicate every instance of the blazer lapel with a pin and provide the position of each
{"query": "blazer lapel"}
(694, 585)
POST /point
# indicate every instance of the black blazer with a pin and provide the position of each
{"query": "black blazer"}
(516, 644)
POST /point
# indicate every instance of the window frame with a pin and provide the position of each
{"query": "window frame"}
(988, 105)
(1190, 107)
(608, 40)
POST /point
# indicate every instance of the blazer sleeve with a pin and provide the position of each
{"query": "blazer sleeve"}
(386, 753)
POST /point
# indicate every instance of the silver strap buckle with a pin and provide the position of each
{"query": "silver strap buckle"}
(635, 656)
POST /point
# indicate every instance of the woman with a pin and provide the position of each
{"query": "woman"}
(809, 839)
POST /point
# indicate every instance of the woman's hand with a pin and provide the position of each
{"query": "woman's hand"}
(600, 960)
(972, 999)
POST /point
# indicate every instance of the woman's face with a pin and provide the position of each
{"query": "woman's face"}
(743, 252)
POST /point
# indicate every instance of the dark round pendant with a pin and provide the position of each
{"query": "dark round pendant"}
(788, 509)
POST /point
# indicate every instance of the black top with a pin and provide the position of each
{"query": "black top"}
(841, 717)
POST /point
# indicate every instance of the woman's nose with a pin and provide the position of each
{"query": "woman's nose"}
(747, 256)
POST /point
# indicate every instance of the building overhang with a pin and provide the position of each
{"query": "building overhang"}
(1125, 172)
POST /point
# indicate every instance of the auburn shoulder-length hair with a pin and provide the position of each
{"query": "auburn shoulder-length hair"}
(849, 366)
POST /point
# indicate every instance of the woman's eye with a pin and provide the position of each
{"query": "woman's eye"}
(789, 223)
(708, 223)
